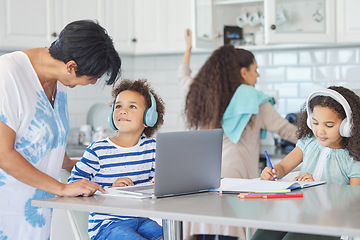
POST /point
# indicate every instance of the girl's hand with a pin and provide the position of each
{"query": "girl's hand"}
(188, 37)
(304, 177)
(268, 174)
(82, 187)
(123, 182)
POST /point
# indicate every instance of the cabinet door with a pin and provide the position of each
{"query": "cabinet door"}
(348, 24)
(150, 25)
(203, 24)
(23, 28)
(177, 20)
(299, 21)
(68, 11)
(119, 22)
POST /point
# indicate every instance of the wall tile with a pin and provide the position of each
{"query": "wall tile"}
(286, 89)
(342, 56)
(294, 105)
(306, 88)
(285, 58)
(311, 57)
(272, 74)
(350, 73)
(298, 73)
(327, 73)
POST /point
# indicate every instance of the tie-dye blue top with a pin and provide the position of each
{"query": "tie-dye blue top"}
(41, 137)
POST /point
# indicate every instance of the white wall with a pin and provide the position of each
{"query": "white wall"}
(289, 75)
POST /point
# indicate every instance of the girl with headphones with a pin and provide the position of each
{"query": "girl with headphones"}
(126, 159)
(328, 147)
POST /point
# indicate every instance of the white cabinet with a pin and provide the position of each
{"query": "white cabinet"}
(136, 26)
(159, 25)
(37, 23)
(265, 22)
(299, 21)
(67, 11)
(119, 22)
(348, 24)
(25, 24)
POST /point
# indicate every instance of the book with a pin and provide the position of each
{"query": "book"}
(139, 191)
(237, 185)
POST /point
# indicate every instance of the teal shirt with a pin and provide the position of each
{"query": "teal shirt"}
(244, 103)
(339, 167)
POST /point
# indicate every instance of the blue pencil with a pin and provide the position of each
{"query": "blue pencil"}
(268, 161)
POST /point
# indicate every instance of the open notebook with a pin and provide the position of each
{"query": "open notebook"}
(186, 162)
(237, 185)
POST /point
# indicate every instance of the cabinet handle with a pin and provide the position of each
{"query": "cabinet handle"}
(273, 27)
(134, 40)
(54, 34)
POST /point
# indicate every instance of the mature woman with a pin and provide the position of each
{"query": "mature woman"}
(222, 95)
(34, 122)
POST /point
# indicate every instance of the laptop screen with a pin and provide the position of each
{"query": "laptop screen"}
(188, 161)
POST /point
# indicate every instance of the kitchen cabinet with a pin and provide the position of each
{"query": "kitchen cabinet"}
(22, 28)
(265, 22)
(348, 25)
(136, 26)
(159, 25)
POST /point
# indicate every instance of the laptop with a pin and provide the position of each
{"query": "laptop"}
(186, 162)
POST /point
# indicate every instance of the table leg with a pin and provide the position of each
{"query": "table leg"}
(173, 230)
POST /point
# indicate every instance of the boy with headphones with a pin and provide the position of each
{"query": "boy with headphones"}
(328, 147)
(126, 159)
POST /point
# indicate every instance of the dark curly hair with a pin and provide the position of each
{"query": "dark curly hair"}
(214, 85)
(142, 86)
(351, 143)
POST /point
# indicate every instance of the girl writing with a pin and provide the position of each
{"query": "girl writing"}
(327, 148)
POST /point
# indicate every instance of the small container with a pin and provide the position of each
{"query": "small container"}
(85, 135)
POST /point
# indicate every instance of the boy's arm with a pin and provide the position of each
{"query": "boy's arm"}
(86, 168)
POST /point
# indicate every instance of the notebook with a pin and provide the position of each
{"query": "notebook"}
(237, 185)
(186, 162)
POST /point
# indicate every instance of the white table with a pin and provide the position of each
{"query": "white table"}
(326, 209)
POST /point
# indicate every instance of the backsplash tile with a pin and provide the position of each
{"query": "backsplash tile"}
(288, 75)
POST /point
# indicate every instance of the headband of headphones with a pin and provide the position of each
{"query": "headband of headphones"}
(150, 114)
(346, 124)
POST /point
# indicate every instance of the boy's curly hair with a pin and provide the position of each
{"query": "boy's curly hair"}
(351, 143)
(142, 86)
(214, 85)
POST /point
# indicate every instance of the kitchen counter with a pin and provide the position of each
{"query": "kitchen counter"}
(75, 150)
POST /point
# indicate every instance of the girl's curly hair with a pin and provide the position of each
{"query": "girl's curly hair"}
(214, 85)
(351, 143)
(142, 86)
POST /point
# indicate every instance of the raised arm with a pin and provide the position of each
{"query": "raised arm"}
(12, 162)
(184, 72)
(187, 53)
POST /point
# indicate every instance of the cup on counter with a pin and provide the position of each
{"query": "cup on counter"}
(85, 135)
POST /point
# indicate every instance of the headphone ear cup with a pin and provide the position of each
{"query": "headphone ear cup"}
(111, 119)
(345, 128)
(309, 121)
(150, 117)
(150, 114)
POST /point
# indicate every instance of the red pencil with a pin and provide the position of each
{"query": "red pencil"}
(271, 196)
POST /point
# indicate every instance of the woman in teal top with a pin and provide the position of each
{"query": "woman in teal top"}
(328, 147)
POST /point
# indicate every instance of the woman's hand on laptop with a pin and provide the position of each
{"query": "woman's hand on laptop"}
(123, 182)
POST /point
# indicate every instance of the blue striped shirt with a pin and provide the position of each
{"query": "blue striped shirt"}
(104, 162)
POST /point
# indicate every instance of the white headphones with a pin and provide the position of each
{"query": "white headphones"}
(346, 124)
